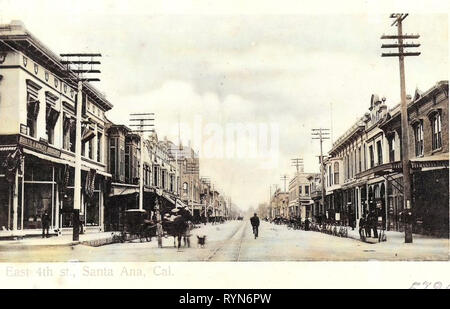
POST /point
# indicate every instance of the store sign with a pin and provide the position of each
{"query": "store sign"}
(39, 146)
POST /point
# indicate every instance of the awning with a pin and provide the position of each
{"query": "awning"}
(63, 162)
(45, 157)
(118, 190)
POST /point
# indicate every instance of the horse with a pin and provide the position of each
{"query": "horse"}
(179, 227)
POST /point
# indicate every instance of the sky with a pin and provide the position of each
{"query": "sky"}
(271, 75)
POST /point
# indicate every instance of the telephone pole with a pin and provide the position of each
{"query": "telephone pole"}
(192, 168)
(76, 66)
(141, 122)
(321, 134)
(298, 163)
(401, 54)
(284, 178)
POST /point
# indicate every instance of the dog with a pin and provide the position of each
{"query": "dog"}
(201, 241)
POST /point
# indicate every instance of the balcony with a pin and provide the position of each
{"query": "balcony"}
(382, 169)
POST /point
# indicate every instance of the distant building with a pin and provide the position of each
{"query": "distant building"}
(300, 202)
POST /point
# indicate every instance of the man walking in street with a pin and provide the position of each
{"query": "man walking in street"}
(255, 224)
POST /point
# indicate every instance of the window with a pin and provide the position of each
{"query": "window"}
(372, 162)
(330, 176)
(418, 139)
(437, 131)
(359, 158)
(32, 106)
(99, 146)
(155, 176)
(127, 165)
(300, 191)
(91, 149)
(185, 188)
(51, 117)
(392, 149)
(307, 190)
(365, 158)
(32, 113)
(112, 156)
(336, 173)
(379, 153)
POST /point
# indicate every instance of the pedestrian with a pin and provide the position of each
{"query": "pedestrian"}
(373, 223)
(307, 224)
(255, 224)
(367, 224)
(362, 223)
(45, 224)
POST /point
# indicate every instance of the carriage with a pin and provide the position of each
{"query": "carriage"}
(137, 226)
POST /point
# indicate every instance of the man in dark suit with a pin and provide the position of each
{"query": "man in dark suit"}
(255, 224)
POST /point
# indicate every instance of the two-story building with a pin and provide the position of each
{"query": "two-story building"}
(300, 202)
(38, 98)
(370, 153)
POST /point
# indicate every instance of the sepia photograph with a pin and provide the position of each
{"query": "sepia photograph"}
(130, 134)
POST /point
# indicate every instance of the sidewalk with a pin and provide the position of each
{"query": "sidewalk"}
(90, 239)
(93, 239)
(397, 238)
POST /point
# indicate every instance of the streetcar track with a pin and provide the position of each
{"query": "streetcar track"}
(228, 241)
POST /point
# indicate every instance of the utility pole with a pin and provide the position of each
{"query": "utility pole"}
(75, 65)
(192, 169)
(298, 163)
(400, 45)
(284, 178)
(207, 182)
(321, 134)
(141, 121)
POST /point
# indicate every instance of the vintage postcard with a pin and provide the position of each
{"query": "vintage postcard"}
(137, 134)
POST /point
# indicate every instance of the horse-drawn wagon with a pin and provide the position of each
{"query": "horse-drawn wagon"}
(137, 226)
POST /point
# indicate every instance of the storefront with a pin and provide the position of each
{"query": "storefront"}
(34, 180)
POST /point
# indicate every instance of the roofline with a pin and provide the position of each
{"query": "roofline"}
(24, 34)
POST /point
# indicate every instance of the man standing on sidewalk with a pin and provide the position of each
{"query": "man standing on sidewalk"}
(255, 224)
(45, 224)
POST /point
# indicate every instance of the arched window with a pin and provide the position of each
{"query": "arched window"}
(336, 173)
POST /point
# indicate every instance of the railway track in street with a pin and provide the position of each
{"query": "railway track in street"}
(230, 250)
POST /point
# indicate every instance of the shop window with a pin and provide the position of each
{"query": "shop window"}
(93, 210)
(418, 139)
(437, 131)
(38, 198)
